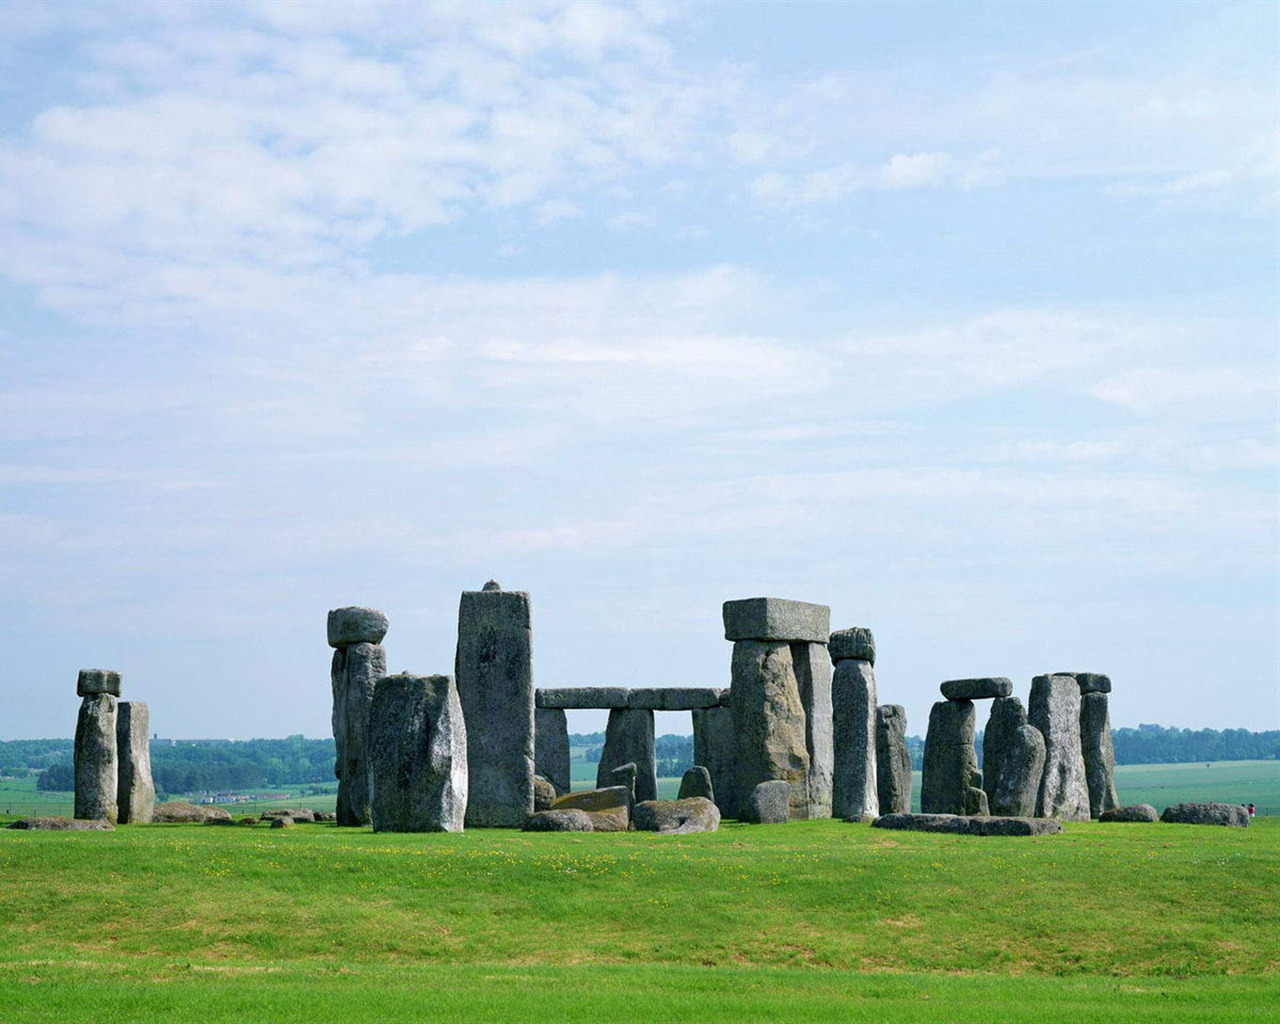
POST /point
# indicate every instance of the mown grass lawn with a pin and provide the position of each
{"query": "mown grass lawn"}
(804, 921)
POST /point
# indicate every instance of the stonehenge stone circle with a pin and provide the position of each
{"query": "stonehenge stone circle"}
(774, 618)
(357, 666)
(696, 782)
(1012, 759)
(769, 722)
(857, 643)
(715, 747)
(855, 790)
(677, 817)
(628, 739)
(769, 803)
(950, 761)
(967, 825)
(1210, 813)
(1131, 813)
(135, 790)
(893, 760)
(1054, 709)
(813, 676)
(494, 672)
(609, 808)
(418, 755)
(1099, 752)
(977, 689)
(93, 681)
(551, 747)
(96, 763)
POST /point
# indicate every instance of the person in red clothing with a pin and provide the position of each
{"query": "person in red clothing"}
(1251, 810)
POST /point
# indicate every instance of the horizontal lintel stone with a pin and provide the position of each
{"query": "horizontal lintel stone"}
(583, 697)
(97, 680)
(675, 698)
(1090, 682)
(773, 618)
(977, 689)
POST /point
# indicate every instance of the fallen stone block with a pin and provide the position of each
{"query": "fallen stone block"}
(1133, 812)
(961, 824)
(1207, 813)
(181, 812)
(609, 808)
(564, 820)
(54, 823)
(677, 817)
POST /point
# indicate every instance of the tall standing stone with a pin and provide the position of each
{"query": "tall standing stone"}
(893, 760)
(1012, 759)
(359, 661)
(551, 747)
(813, 675)
(417, 742)
(135, 790)
(1099, 753)
(628, 739)
(950, 761)
(855, 791)
(715, 748)
(494, 670)
(1054, 709)
(769, 722)
(96, 762)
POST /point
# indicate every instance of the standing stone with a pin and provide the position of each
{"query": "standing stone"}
(716, 749)
(950, 761)
(893, 760)
(1099, 753)
(696, 782)
(551, 747)
(1012, 759)
(418, 755)
(628, 739)
(855, 792)
(495, 684)
(769, 803)
(813, 675)
(769, 721)
(96, 763)
(1055, 710)
(135, 791)
(355, 671)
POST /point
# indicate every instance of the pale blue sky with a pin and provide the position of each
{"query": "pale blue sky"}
(959, 318)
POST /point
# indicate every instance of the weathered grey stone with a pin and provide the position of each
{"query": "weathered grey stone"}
(969, 826)
(135, 790)
(1099, 753)
(1134, 812)
(1210, 813)
(53, 823)
(1054, 709)
(855, 790)
(1012, 759)
(975, 802)
(356, 626)
(584, 697)
(418, 755)
(726, 696)
(628, 738)
(551, 747)
(773, 618)
(179, 811)
(565, 820)
(769, 803)
(295, 814)
(769, 722)
(855, 643)
(624, 775)
(544, 794)
(697, 782)
(1089, 682)
(284, 821)
(93, 681)
(325, 816)
(716, 748)
(495, 684)
(977, 689)
(492, 585)
(608, 808)
(893, 760)
(677, 817)
(355, 672)
(813, 676)
(950, 761)
(674, 698)
(96, 764)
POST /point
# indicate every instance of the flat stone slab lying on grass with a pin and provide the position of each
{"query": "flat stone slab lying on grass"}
(297, 814)
(977, 689)
(1134, 812)
(967, 826)
(677, 817)
(56, 824)
(1192, 813)
(566, 820)
(182, 812)
(609, 808)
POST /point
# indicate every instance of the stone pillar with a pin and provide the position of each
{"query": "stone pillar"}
(813, 674)
(628, 739)
(855, 792)
(551, 747)
(1012, 759)
(359, 661)
(494, 670)
(96, 762)
(1095, 742)
(1055, 710)
(893, 760)
(771, 726)
(417, 755)
(715, 748)
(135, 791)
(950, 761)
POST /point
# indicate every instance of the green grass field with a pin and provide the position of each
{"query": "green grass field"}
(813, 921)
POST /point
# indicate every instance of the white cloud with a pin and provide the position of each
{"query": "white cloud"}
(1205, 393)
